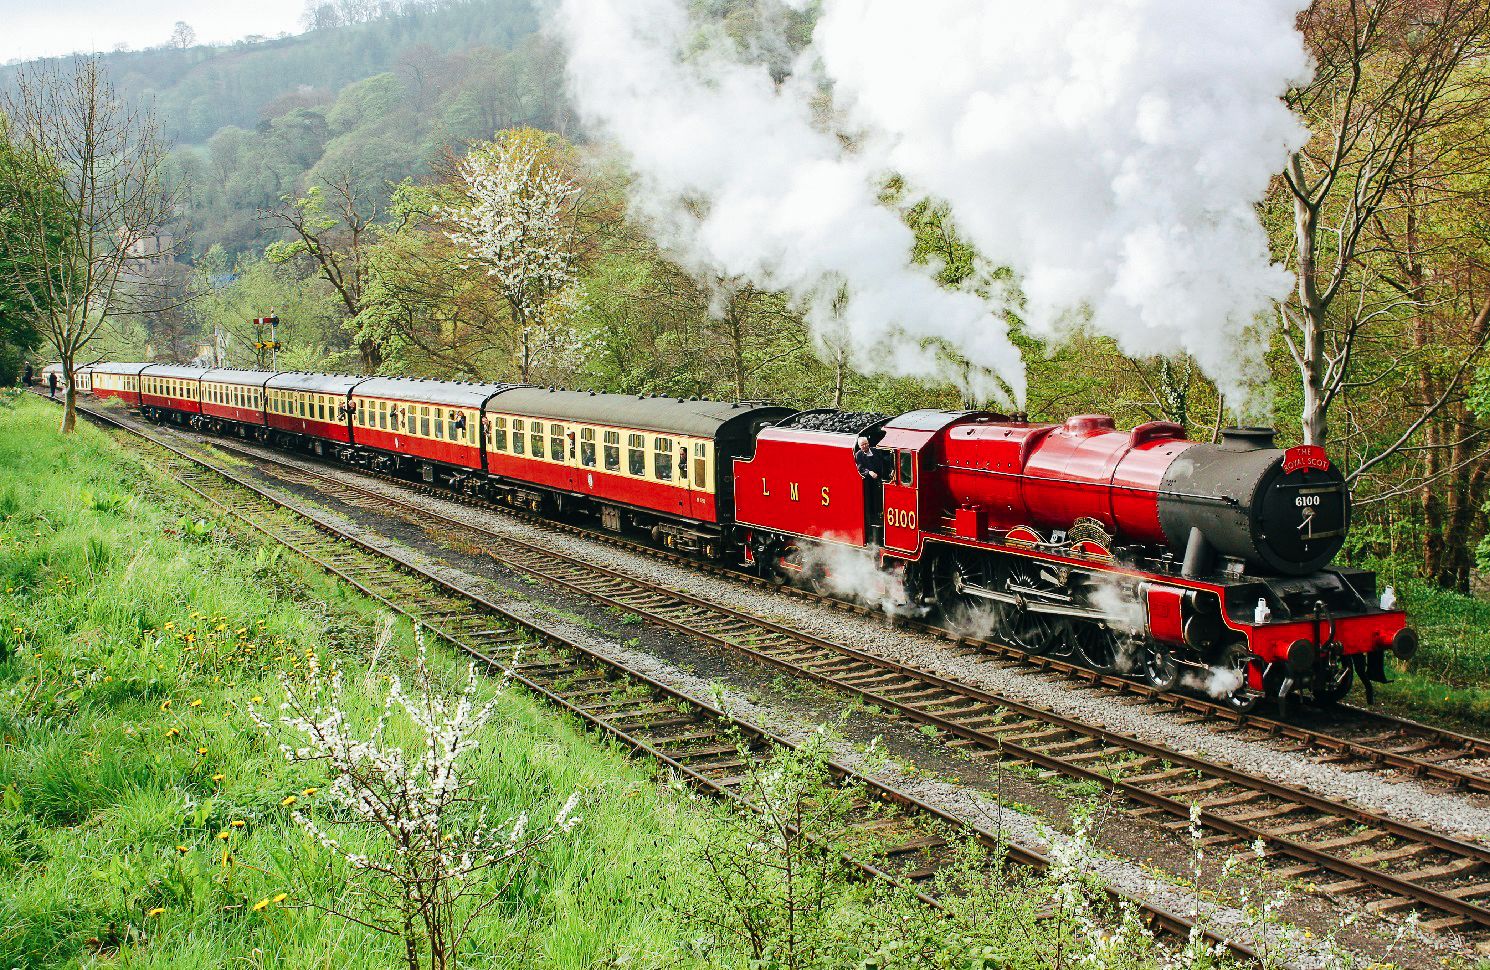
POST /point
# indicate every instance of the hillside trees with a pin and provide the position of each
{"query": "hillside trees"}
(332, 227)
(108, 160)
(517, 222)
(20, 284)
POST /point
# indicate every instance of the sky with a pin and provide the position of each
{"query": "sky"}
(42, 28)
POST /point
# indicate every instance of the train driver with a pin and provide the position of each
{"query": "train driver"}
(872, 469)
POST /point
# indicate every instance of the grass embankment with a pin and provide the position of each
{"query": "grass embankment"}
(1450, 676)
(143, 817)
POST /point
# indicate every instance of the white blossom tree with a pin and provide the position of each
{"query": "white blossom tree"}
(443, 862)
(518, 224)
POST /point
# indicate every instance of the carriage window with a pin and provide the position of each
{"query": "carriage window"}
(662, 459)
(556, 442)
(518, 438)
(439, 422)
(613, 451)
(907, 467)
(700, 478)
(499, 434)
(535, 438)
(587, 447)
(636, 454)
(424, 421)
(383, 415)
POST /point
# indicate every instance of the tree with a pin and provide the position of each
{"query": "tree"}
(518, 223)
(1390, 79)
(20, 286)
(332, 225)
(108, 158)
(182, 35)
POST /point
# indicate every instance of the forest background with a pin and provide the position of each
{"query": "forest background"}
(335, 179)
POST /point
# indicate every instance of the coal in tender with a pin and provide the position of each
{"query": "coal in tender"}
(834, 422)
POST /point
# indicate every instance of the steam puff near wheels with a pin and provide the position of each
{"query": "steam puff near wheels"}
(1138, 552)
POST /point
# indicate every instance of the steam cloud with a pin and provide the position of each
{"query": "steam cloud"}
(1108, 154)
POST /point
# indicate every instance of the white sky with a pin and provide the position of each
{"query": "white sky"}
(41, 28)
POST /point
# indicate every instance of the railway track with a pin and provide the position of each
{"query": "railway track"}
(903, 839)
(1399, 865)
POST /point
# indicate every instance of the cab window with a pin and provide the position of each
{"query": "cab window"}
(907, 467)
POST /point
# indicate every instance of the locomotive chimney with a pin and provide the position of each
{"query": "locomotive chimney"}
(1247, 439)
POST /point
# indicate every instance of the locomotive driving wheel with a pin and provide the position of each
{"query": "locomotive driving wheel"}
(1101, 647)
(1027, 629)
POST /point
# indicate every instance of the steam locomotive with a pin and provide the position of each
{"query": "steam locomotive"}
(1138, 551)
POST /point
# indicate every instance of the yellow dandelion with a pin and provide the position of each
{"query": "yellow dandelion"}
(237, 823)
(310, 791)
(156, 911)
(191, 638)
(172, 733)
(288, 800)
(201, 751)
(197, 702)
(241, 630)
(182, 849)
(280, 897)
(169, 626)
(224, 835)
(219, 777)
(108, 680)
(261, 904)
(256, 699)
(165, 705)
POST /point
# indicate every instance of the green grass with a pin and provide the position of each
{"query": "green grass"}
(1450, 676)
(130, 637)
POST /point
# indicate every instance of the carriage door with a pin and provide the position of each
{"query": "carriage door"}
(901, 499)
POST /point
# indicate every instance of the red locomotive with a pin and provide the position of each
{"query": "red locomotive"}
(1137, 551)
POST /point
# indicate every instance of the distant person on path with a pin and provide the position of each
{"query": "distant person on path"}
(52, 384)
(30, 377)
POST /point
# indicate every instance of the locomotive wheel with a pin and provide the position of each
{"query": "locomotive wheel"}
(1332, 684)
(1160, 669)
(1030, 631)
(950, 575)
(1099, 647)
(1238, 658)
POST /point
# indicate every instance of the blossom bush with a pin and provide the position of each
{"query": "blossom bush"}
(440, 862)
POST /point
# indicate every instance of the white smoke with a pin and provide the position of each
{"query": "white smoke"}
(1218, 682)
(738, 180)
(853, 573)
(1109, 154)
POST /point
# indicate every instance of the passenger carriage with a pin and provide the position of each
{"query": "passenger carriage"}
(120, 381)
(656, 463)
(309, 409)
(425, 426)
(234, 398)
(169, 393)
